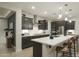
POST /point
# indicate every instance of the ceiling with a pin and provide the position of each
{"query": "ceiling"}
(3, 12)
(52, 8)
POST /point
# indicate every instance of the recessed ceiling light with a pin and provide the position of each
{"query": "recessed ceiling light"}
(70, 21)
(33, 7)
(45, 12)
(66, 19)
(59, 16)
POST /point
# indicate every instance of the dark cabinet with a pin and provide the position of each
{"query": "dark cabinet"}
(42, 24)
(56, 24)
(60, 23)
(37, 49)
(27, 23)
(54, 27)
(26, 41)
(70, 25)
(11, 27)
(67, 25)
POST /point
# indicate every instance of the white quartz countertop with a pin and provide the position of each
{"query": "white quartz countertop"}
(52, 42)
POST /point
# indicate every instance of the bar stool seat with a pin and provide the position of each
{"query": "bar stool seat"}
(65, 51)
(67, 48)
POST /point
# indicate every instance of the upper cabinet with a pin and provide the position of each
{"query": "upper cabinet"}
(56, 26)
(27, 23)
(53, 26)
(11, 21)
(70, 25)
(67, 25)
(42, 24)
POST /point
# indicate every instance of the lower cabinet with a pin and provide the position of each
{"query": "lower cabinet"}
(26, 41)
(9, 42)
(37, 49)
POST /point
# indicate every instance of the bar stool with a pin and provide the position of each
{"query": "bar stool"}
(62, 49)
(72, 46)
(75, 45)
(67, 48)
(58, 50)
(65, 51)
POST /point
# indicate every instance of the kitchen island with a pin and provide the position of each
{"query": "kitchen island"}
(45, 47)
(26, 39)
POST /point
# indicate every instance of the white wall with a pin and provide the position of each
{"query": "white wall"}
(3, 25)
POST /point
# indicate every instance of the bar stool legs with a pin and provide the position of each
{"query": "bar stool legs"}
(77, 44)
(58, 49)
(56, 53)
(70, 46)
(74, 50)
(70, 54)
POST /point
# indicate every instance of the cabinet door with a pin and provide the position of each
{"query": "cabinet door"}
(70, 25)
(53, 25)
(27, 23)
(43, 24)
(30, 23)
(60, 23)
(39, 24)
